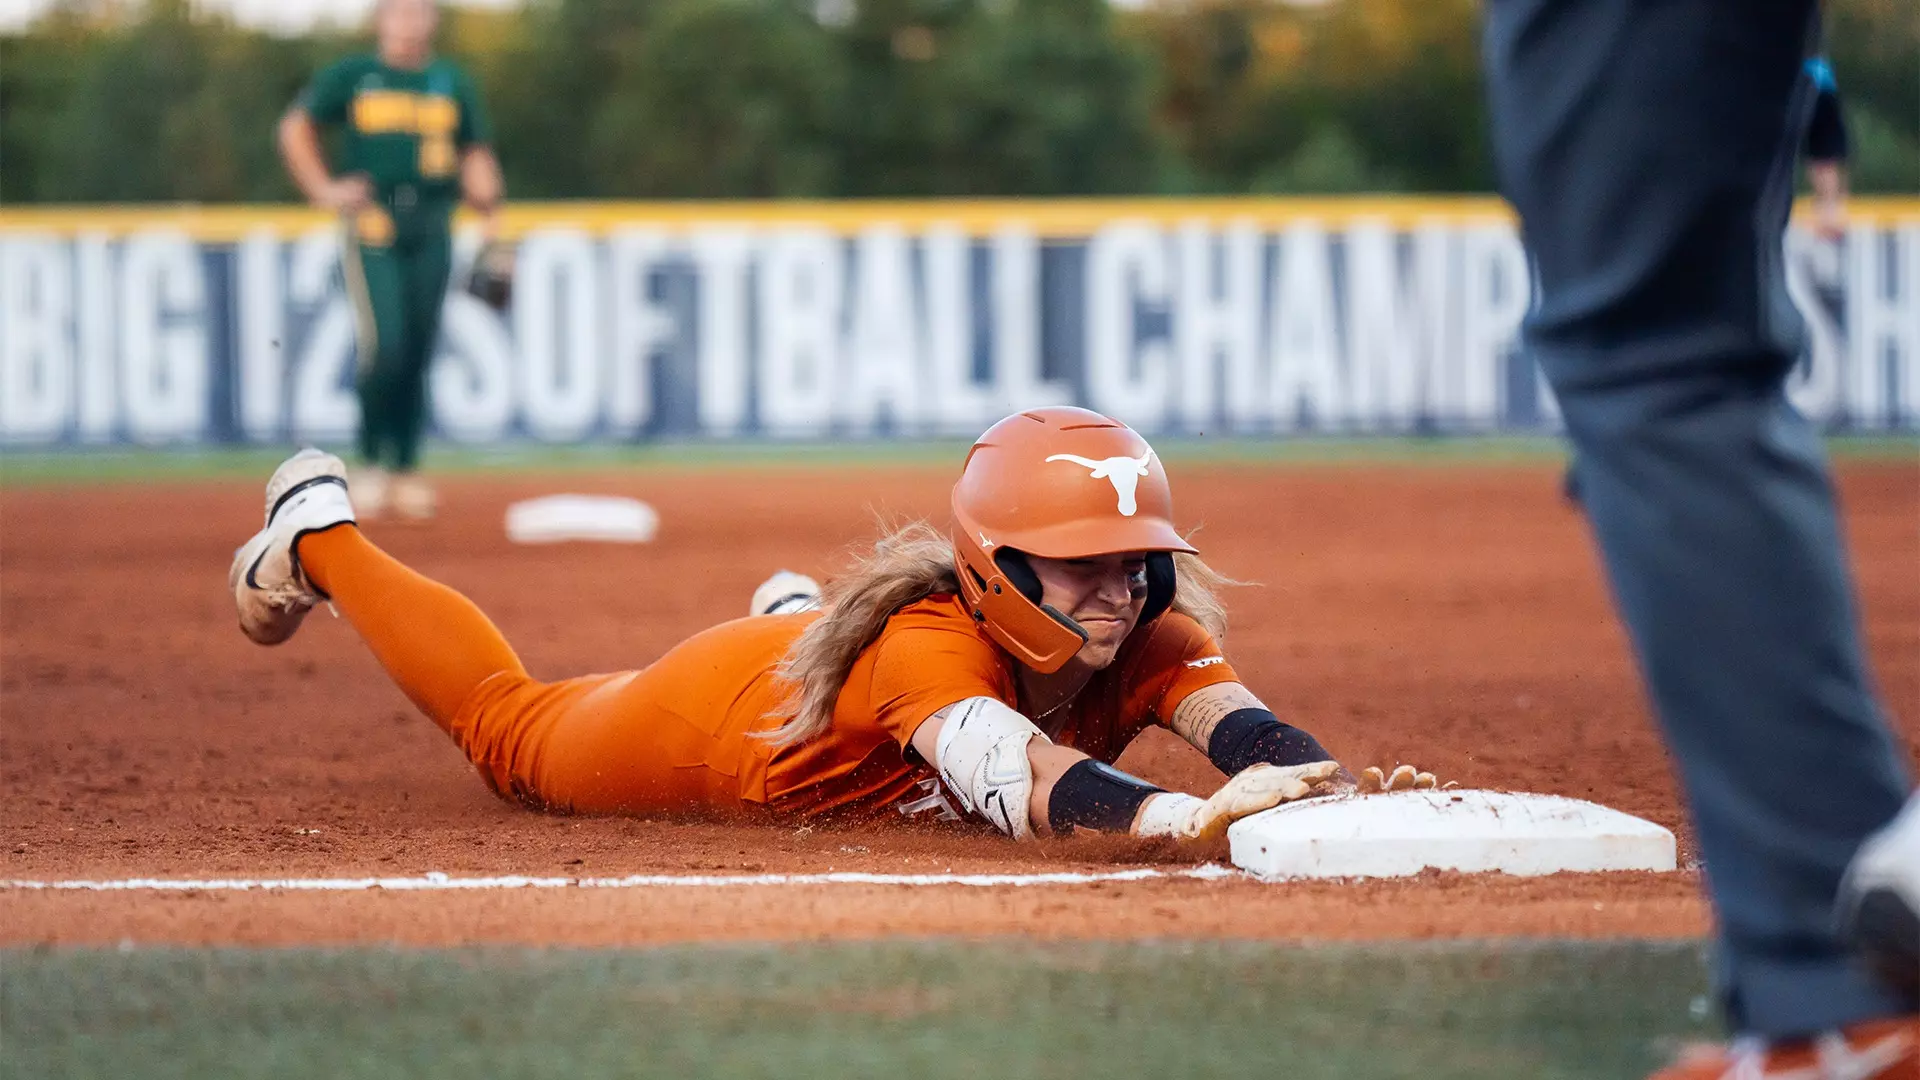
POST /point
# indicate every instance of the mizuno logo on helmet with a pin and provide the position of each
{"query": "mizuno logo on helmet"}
(1125, 472)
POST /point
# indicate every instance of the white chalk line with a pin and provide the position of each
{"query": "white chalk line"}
(436, 881)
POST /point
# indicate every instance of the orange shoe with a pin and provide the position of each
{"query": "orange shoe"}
(1882, 1050)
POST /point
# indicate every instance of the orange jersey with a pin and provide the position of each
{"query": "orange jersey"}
(930, 655)
(680, 735)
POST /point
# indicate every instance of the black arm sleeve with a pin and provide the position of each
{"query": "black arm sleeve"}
(1827, 130)
(1096, 796)
(1251, 736)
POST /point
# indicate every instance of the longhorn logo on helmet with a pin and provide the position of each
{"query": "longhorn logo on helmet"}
(1124, 472)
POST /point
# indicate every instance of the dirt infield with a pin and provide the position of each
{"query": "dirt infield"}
(1452, 616)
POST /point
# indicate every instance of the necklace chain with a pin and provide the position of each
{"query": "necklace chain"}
(1057, 706)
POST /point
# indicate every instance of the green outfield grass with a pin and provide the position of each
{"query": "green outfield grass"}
(894, 1010)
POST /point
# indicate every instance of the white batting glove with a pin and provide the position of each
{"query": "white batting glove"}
(1253, 789)
(1403, 778)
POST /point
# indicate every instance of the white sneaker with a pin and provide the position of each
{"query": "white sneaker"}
(785, 593)
(369, 486)
(1879, 905)
(413, 497)
(308, 493)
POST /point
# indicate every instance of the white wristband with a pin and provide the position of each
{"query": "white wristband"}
(1167, 814)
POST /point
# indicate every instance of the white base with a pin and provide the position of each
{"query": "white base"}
(1406, 832)
(555, 518)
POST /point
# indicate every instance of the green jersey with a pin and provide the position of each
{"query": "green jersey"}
(405, 130)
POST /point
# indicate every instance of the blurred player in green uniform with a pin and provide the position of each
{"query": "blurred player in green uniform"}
(414, 143)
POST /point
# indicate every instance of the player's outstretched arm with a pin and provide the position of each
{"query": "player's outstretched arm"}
(1236, 731)
(1005, 769)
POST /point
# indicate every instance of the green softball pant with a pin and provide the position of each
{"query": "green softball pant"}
(398, 290)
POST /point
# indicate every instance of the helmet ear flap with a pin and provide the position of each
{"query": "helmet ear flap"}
(1019, 574)
(1162, 581)
(1019, 571)
(1037, 635)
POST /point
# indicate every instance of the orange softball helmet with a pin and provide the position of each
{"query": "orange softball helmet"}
(1061, 483)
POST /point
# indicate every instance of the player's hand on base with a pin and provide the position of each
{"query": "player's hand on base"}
(1253, 789)
(1373, 781)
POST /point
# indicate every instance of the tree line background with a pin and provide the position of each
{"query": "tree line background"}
(103, 101)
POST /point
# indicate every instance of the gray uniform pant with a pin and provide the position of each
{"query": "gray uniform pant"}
(1648, 146)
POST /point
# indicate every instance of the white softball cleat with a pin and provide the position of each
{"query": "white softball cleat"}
(1879, 906)
(785, 593)
(308, 493)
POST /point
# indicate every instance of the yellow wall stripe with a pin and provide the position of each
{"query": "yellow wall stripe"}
(1051, 218)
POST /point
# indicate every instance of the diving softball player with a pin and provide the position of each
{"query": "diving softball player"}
(414, 142)
(993, 671)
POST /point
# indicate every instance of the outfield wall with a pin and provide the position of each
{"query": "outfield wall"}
(855, 320)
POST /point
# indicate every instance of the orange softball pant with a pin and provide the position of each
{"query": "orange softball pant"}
(600, 744)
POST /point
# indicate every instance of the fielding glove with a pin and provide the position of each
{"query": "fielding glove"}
(491, 278)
